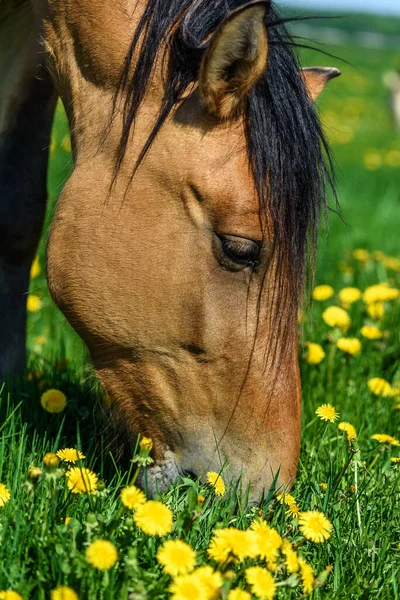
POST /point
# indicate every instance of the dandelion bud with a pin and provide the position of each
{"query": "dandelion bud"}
(101, 486)
(129, 522)
(146, 444)
(50, 460)
(34, 473)
(91, 519)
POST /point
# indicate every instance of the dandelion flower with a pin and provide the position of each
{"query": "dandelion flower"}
(53, 401)
(323, 486)
(361, 255)
(33, 303)
(146, 443)
(307, 576)
(323, 292)
(376, 310)
(291, 559)
(334, 316)
(50, 460)
(187, 587)
(395, 460)
(383, 438)
(176, 557)
(286, 499)
(34, 473)
(153, 518)
(132, 497)
(268, 540)
(348, 296)
(238, 594)
(102, 555)
(349, 430)
(349, 345)
(226, 541)
(371, 332)
(62, 592)
(217, 483)
(315, 353)
(35, 268)
(315, 526)
(293, 511)
(70, 455)
(210, 580)
(380, 387)
(327, 412)
(81, 480)
(261, 582)
(10, 595)
(381, 292)
(4, 494)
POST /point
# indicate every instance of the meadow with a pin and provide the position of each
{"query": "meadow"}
(76, 527)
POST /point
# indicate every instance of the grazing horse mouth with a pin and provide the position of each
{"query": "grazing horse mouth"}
(157, 478)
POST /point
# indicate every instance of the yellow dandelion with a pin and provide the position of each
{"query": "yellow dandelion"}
(10, 595)
(67, 520)
(132, 497)
(232, 541)
(176, 557)
(293, 511)
(376, 310)
(327, 412)
(383, 438)
(287, 499)
(323, 486)
(307, 576)
(323, 292)
(53, 401)
(81, 480)
(395, 460)
(380, 387)
(4, 494)
(238, 594)
(361, 255)
(102, 555)
(50, 460)
(261, 582)
(315, 526)
(392, 263)
(153, 518)
(334, 316)
(315, 353)
(33, 303)
(291, 559)
(268, 540)
(371, 332)
(349, 345)
(35, 268)
(70, 455)
(62, 592)
(349, 430)
(34, 473)
(381, 292)
(216, 481)
(348, 296)
(146, 443)
(187, 587)
(210, 580)
(40, 339)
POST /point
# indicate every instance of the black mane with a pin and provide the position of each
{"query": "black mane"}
(287, 149)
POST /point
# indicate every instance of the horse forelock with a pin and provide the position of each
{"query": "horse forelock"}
(288, 153)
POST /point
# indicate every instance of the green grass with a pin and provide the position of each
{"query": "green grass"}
(38, 551)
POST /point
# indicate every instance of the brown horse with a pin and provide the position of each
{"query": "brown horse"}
(178, 246)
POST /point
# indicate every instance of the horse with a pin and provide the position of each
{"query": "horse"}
(180, 244)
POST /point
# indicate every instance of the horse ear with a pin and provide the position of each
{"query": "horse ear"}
(315, 79)
(235, 58)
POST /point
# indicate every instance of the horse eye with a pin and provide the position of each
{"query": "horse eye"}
(241, 252)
